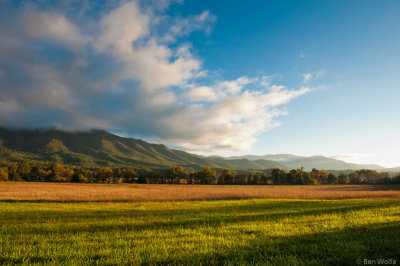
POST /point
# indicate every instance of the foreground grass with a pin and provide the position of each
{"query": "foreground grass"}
(251, 231)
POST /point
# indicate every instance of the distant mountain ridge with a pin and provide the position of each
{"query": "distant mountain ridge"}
(100, 148)
(316, 161)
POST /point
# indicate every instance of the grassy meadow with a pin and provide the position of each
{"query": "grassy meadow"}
(280, 230)
(75, 192)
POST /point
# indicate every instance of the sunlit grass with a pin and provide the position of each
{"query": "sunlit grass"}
(251, 231)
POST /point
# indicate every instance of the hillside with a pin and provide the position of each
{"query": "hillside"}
(100, 148)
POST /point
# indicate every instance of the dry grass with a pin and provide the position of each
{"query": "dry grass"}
(69, 192)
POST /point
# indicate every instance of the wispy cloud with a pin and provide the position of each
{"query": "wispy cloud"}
(301, 55)
(320, 73)
(351, 157)
(307, 77)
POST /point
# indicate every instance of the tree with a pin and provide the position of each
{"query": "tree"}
(368, 176)
(3, 174)
(59, 173)
(332, 179)
(323, 177)
(141, 180)
(396, 180)
(39, 174)
(225, 177)
(13, 172)
(306, 179)
(206, 175)
(129, 175)
(278, 176)
(241, 179)
(354, 178)
(314, 175)
(384, 178)
(24, 170)
(175, 174)
(103, 173)
(264, 179)
(294, 177)
(342, 178)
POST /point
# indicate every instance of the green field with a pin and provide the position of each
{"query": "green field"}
(258, 231)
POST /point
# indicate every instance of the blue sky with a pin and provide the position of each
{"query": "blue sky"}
(355, 42)
(214, 77)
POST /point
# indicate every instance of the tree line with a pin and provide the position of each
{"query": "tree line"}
(19, 171)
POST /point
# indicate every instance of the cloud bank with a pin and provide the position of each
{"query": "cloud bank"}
(127, 70)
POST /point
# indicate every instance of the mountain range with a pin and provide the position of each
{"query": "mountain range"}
(100, 148)
(320, 162)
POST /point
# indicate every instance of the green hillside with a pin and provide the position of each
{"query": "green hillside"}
(100, 148)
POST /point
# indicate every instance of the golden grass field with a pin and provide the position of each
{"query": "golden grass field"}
(112, 224)
(70, 192)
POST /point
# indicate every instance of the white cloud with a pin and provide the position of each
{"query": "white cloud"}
(120, 28)
(202, 94)
(132, 81)
(125, 35)
(232, 122)
(53, 27)
(234, 87)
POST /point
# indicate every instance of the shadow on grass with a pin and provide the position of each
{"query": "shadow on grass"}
(140, 220)
(345, 247)
(342, 247)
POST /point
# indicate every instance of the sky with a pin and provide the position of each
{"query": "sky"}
(210, 77)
